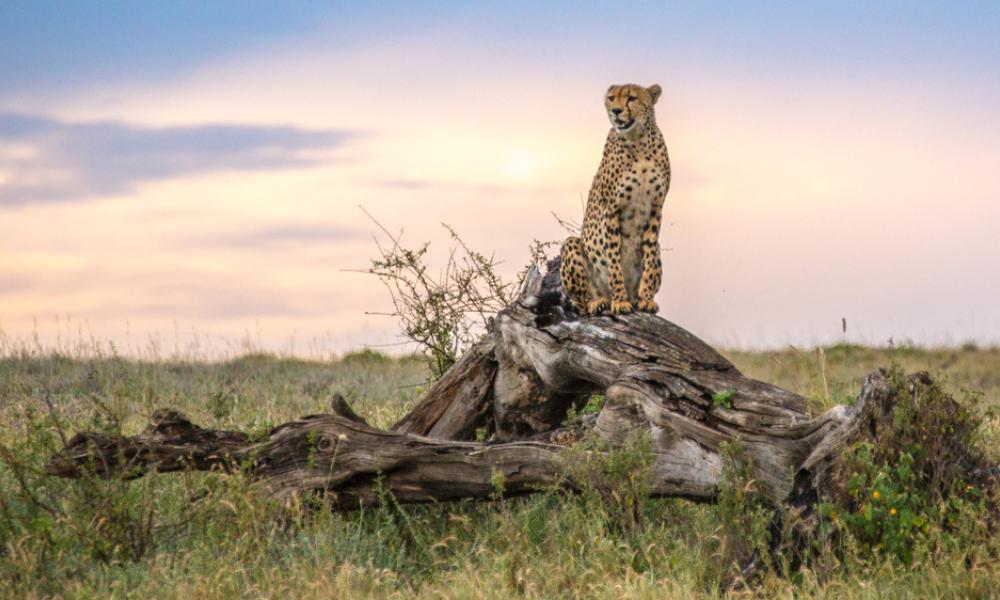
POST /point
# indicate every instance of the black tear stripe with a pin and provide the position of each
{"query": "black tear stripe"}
(628, 103)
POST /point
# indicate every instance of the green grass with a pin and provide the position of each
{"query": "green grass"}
(204, 535)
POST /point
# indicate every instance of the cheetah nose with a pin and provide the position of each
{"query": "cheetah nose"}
(616, 111)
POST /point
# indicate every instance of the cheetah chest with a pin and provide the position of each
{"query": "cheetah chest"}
(642, 186)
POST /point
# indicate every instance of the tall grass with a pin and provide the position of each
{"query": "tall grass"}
(207, 535)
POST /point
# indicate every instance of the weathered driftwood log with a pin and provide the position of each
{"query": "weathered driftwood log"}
(459, 402)
(537, 360)
(336, 452)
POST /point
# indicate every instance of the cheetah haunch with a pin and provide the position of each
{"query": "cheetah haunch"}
(615, 263)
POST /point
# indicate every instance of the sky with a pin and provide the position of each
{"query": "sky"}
(189, 178)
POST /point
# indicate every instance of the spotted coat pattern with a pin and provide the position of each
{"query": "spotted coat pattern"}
(615, 262)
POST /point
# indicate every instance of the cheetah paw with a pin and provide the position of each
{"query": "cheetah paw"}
(647, 306)
(597, 306)
(621, 307)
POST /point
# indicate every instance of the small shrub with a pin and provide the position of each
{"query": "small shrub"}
(365, 357)
(914, 478)
(616, 478)
(593, 406)
(110, 520)
(221, 403)
(444, 314)
(893, 511)
(743, 512)
(723, 398)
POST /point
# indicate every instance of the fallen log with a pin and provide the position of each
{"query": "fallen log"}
(537, 360)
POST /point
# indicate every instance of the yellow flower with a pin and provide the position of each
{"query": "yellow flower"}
(875, 494)
(892, 511)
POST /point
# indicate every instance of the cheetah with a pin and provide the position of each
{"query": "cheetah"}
(615, 262)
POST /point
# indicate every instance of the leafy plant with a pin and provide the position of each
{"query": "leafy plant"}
(594, 405)
(723, 398)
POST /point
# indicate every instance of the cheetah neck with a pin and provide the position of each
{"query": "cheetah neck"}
(643, 143)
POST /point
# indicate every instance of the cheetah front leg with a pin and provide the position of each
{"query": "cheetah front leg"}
(652, 268)
(620, 303)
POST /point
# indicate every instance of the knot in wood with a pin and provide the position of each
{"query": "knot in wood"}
(325, 443)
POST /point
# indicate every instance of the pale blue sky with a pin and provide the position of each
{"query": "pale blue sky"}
(46, 45)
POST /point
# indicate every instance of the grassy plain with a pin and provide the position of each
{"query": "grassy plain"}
(204, 535)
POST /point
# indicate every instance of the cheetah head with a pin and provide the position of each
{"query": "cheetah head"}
(630, 107)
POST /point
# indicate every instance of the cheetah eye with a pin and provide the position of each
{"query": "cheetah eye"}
(631, 98)
(611, 98)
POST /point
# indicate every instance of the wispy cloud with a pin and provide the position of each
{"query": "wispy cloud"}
(13, 283)
(49, 160)
(283, 235)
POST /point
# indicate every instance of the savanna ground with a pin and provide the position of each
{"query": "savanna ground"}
(185, 535)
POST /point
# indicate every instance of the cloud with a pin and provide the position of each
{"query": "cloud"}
(282, 235)
(230, 304)
(48, 160)
(404, 183)
(10, 284)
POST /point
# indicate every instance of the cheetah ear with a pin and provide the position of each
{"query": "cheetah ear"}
(655, 91)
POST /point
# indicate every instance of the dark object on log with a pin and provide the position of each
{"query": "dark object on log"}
(537, 360)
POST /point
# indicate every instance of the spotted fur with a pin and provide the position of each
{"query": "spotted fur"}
(615, 263)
